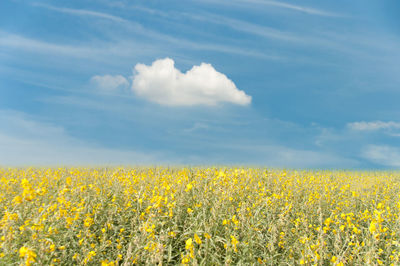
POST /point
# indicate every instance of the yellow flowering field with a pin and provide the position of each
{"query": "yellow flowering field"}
(205, 216)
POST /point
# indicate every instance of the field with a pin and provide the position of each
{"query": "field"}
(205, 216)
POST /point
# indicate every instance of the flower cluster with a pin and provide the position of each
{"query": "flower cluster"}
(118, 216)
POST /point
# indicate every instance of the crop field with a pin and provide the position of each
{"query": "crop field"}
(198, 216)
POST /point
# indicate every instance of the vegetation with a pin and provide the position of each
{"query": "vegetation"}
(205, 216)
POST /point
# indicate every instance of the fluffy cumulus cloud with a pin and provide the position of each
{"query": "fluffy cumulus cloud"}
(109, 82)
(374, 125)
(162, 83)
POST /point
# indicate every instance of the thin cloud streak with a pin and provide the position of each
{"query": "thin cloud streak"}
(28, 44)
(243, 26)
(82, 12)
(246, 27)
(235, 24)
(245, 3)
(138, 28)
(308, 10)
(322, 39)
(374, 125)
(105, 48)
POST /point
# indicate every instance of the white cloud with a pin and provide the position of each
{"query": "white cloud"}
(162, 83)
(109, 82)
(374, 125)
(382, 154)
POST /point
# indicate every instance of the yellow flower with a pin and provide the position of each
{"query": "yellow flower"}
(18, 199)
(372, 227)
(234, 242)
(88, 222)
(28, 254)
(23, 251)
(188, 187)
(185, 260)
(234, 220)
(90, 255)
(106, 263)
(197, 239)
(189, 243)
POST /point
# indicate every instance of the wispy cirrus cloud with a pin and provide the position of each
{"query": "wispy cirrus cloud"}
(278, 4)
(23, 43)
(196, 127)
(373, 125)
(126, 46)
(236, 24)
(284, 156)
(317, 39)
(382, 154)
(246, 27)
(307, 10)
(139, 28)
(25, 141)
(82, 12)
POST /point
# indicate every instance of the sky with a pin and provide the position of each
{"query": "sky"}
(295, 84)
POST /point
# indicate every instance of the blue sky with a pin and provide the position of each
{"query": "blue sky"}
(300, 84)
